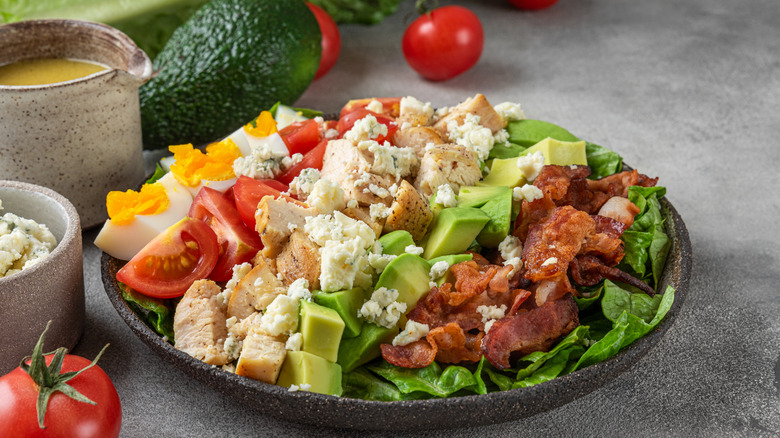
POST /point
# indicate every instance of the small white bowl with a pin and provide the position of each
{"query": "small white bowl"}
(52, 289)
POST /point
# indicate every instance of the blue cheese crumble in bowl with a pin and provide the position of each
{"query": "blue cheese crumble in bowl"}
(41, 271)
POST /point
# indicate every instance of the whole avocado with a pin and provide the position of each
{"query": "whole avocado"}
(228, 62)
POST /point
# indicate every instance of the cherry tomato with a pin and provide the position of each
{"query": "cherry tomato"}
(348, 121)
(443, 43)
(331, 40)
(168, 265)
(391, 106)
(248, 192)
(532, 5)
(301, 137)
(64, 416)
(237, 243)
(313, 159)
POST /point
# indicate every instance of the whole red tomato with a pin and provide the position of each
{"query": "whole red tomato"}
(25, 411)
(532, 5)
(331, 40)
(444, 42)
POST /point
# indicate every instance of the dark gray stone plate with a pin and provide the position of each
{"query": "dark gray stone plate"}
(473, 410)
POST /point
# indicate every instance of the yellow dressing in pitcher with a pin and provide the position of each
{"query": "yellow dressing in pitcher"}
(46, 71)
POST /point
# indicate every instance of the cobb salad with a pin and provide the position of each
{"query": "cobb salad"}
(398, 252)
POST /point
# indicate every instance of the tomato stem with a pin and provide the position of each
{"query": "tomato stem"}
(49, 379)
(422, 6)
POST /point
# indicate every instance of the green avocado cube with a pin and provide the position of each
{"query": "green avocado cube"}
(301, 367)
(454, 231)
(409, 275)
(321, 328)
(561, 153)
(346, 303)
(395, 242)
(477, 196)
(359, 350)
(528, 132)
(499, 209)
(504, 173)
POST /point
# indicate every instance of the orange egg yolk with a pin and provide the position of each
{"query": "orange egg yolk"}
(263, 126)
(192, 165)
(124, 206)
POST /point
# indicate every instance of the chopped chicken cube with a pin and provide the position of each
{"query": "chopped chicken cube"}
(199, 324)
(447, 164)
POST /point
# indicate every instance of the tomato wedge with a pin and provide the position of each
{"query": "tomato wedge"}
(168, 265)
(312, 159)
(237, 243)
(248, 192)
(301, 137)
(391, 106)
(348, 121)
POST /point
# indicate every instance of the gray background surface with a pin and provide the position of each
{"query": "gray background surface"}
(687, 91)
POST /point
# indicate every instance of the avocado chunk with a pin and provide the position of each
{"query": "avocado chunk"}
(395, 242)
(454, 231)
(321, 328)
(504, 173)
(356, 351)
(528, 132)
(301, 367)
(478, 196)
(561, 153)
(346, 303)
(499, 209)
(409, 275)
(224, 65)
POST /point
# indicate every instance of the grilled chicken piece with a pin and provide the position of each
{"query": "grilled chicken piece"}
(447, 164)
(410, 212)
(261, 357)
(275, 218)
(254, 292)
(478, 105)
(349, 167)
(199, 324)
(300, 259)
(416, 137)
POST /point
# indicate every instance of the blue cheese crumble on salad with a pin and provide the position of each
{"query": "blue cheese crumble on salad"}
(469, 248)
(23, 243)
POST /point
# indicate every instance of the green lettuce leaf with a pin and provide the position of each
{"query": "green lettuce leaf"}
(646, 242)
(159, 172)
(617, 300)
(430, 380)
(361, 383)
(154, 312)
(148, 22)
(626, 329)
(506, 150)
(526, 133)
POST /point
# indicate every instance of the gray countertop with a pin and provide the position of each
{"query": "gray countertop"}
(687, 91)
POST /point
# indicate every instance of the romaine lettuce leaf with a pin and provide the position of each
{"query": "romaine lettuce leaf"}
(148, 22)
(430, 380)
(154, 312)
(646, 242)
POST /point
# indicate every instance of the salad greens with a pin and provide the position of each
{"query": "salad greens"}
(358, 11)
(148, 22)
(154, 312)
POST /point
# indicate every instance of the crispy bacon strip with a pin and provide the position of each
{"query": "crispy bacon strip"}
(552, 245)
(552, 289)
(418, 354)
(565, 185)
(526, 332)
(453, 345)
(470, 279)
(620, 209)
(587, 270)
(532, 213)
(618, 183)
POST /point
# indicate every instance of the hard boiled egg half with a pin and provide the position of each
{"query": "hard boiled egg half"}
(135, 218)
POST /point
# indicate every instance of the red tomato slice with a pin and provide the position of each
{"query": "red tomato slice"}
(248, 192)
(391, 106)
(168, 265)
(312, 159)
(301, 137)
(237, 243)
(348, 121)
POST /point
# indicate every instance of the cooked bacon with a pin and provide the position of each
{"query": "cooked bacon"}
(618, 184)
(532, 213)
(527, 332)
(550, 246)
(418, 354)
(521, 297)
(453, 345)
(470, 279)
(620, 209)
(565, 185)
(587, 270)
(552, 289)
(478, 258)
(609, 226)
